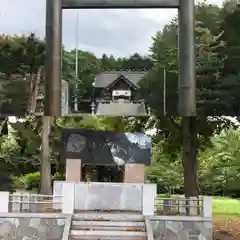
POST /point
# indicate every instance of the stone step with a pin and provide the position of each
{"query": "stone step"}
(106, 238)
(107, 217)
(110, 234)
(94, 224)
(107, 228)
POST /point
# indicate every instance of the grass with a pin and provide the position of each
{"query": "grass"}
(226, 208)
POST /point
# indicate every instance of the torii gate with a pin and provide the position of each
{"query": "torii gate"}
(187, 58)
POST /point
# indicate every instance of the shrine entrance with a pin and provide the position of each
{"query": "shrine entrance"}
(102, 173)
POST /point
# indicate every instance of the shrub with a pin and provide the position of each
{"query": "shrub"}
(58, 177)
(18, 182)
(32, 180)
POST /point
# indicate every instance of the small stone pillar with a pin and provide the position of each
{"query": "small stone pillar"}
(73, 170)
(68, 192)
(207, 206)
(4, 197)
(134, 173)
(148, 199)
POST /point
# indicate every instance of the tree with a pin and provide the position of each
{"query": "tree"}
(187, 134)
(21, 61)
(110, 63)
(219, 165)
(80, 86)
(166, 173)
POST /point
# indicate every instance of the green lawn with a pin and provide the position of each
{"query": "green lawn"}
(226, 207)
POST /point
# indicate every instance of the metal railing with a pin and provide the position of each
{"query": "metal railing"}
(179, 206)
(35, 203)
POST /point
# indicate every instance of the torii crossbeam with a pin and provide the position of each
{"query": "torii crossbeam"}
(120, 4)
(187, 58)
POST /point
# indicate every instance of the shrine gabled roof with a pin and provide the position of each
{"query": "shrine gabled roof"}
(104, 79)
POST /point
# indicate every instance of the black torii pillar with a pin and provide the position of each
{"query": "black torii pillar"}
(187, 59)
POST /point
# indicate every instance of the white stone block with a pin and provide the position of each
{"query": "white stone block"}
(68, 197)
(131, 197)
(81, 196)
(148, 199)
(4, 199)
(57, 192)
(108, 196)
(105, 197)
(207, 206)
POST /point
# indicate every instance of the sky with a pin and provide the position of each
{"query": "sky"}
(118, 32)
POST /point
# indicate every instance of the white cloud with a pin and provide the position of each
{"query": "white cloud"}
(118, 32)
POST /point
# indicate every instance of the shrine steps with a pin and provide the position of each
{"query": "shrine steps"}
(108, 226)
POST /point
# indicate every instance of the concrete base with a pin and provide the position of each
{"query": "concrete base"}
(107, 196)
(134, 173)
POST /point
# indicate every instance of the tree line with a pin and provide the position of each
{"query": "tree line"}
(217, 53)
(21, 148)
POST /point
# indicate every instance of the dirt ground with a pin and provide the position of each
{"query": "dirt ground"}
(226, 229)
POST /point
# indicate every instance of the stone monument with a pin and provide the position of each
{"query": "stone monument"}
(105, 148)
